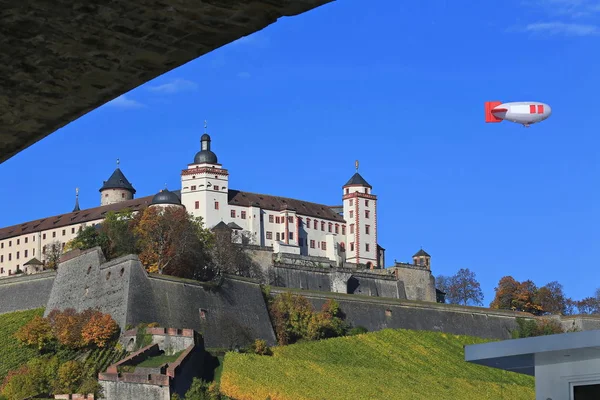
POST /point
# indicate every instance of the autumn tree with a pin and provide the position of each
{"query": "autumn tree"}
(552, 299)
(461, 288)
(52, 252)
(36, 333)
(294, 318)
(172, 242)
(505, 293)
(590, 305)
(99, 329)
(229, 254)
(527, 297)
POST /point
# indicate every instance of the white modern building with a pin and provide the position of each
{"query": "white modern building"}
(344, 233)
(566, 366)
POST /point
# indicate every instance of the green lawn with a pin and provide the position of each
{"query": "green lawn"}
(12, 354)
(389, 364)
(157, 361)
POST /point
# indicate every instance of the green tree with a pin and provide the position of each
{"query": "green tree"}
(69, 377)
(118, 229)
(88, 238)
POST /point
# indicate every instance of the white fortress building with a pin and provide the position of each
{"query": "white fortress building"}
(345, 233)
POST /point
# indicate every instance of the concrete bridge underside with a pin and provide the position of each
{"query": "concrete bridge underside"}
(61, 59)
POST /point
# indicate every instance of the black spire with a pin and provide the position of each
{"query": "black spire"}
(76, 200)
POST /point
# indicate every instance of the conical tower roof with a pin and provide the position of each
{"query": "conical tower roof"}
(357, 179)
(117, 181)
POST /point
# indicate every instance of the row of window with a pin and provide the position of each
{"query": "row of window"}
(352, 203)
(215, 187)
(122, 195)
(26, 239)
(366, 191)
(26, 253)
(17, 255)
(301, 242)
(242, 214)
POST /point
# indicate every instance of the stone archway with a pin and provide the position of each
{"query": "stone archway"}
(353, 285)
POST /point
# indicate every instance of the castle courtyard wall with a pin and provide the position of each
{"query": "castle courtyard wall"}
(116, 390)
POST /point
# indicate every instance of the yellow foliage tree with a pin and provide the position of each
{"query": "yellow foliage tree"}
(38, 333)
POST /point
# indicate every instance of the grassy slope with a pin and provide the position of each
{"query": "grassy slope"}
(389, 364)
(13, 355)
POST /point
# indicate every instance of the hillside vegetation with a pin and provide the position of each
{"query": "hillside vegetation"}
(13, 354)
(389, 364)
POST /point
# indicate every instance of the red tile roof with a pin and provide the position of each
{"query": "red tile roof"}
(77, 217)
(236, 197)
(276, 203)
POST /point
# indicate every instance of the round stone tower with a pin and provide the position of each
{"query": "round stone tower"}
(116, 189)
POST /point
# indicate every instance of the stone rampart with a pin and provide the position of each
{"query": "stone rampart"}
(88, 281)
(26, 292)
(376, 313)
(233, 313)
(338, 280)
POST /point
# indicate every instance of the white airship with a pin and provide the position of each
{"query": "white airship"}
(520, 112)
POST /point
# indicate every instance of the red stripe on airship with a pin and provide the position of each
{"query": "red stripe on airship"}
(499, 110)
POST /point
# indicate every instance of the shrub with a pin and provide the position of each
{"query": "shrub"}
(536, 327)
(260, 347)
(359, 330)
(294, 319)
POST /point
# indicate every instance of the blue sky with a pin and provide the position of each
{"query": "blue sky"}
(399, 86)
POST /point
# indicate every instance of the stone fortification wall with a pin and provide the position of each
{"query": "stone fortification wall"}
(338, 280)
(321, 274)
(580, 322)
(378, 313)
(234, 313)
(88, 281)
(419, 283)
(318, 279)
(26, 292)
